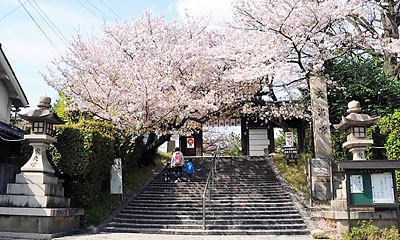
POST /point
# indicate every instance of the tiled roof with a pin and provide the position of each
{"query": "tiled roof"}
(11, 131)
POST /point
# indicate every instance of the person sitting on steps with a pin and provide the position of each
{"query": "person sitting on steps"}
(177, 162)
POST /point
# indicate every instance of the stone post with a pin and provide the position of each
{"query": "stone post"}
(322, 138)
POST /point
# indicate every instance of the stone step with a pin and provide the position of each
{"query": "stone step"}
(209, 209)
(213, 204)
(210, 213)
(246, 199)
(209, 232)
(216, 222)
(225, 199)
(270, 215)
(155, 225)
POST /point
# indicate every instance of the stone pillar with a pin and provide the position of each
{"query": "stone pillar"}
(322, 135)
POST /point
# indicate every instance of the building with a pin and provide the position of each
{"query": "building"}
(11, 96)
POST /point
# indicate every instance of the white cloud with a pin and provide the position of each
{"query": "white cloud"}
(218, 10)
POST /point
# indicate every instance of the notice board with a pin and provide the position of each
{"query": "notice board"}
(371, 188)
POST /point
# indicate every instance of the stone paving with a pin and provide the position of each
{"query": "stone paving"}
(138, 236)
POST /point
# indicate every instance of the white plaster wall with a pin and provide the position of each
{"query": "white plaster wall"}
(5, 104)
(258, 140)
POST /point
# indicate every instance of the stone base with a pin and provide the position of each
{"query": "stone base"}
(17, 235)
(380, 219)
(321, 188)
(39, 221)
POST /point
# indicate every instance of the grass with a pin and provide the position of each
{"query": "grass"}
(96, 213)
(295, 176)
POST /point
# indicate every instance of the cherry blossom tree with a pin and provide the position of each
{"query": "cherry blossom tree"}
(149, 75)
(286, 44)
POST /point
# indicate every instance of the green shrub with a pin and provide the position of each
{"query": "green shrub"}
(83, 156)
(367, 231)
(319, 236)
(390, 126)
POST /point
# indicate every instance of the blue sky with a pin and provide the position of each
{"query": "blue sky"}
(30, 52)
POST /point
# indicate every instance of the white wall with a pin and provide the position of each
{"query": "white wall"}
(5, 104)
(258, 140)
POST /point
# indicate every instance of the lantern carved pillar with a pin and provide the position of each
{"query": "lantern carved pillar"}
(356, 125)
(36, 200)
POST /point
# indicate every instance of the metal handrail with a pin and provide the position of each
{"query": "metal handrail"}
(211, 177)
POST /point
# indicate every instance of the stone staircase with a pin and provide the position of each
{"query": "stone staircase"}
(246, 199)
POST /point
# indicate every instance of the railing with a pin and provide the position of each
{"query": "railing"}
(210, 180)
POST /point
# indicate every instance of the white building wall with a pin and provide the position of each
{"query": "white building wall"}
(5, 104)
(163, 147)
(258, 140)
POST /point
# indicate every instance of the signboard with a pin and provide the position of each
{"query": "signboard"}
(371, 188)
(356, 184)
(289, 139)
(320, 167)
(190, 143)
(382, 188)
(116, 177)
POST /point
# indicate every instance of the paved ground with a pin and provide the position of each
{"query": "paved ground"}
(134, 236)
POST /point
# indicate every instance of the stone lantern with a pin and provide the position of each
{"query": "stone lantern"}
(35, 206)
(356, 125)
(42, 120)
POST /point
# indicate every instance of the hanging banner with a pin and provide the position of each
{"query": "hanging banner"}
(190, 143)
(227, 122)
(221, 123)
(238, 122)
(289, 139)
(232, 122)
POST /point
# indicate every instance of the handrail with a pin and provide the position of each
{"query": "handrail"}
(211, 177)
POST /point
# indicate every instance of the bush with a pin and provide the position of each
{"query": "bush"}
(390, 126)
(83, 155)
(367, 231)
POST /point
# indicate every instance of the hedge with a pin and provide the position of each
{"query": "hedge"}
(83, 156)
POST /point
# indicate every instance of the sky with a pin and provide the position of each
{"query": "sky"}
(31, 45)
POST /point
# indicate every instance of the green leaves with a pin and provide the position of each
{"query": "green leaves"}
(83, 155)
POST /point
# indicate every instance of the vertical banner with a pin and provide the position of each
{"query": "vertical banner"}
(289, 139)
(238, 122)
(190, 143)
(216, 123)
(232, 122)
(116, 177)
(221, 123)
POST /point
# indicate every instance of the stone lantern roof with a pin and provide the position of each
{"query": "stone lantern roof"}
(355, 118)
(43, 113)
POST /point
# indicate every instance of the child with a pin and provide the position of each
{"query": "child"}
(177, 162)
(166, 173)
(189, 169)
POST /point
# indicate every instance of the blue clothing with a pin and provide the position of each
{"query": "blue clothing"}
(189, 168)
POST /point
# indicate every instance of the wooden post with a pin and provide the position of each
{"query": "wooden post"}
(310, 181)
(396, 198)
(331, 179)
(245, 137)
(348, 200)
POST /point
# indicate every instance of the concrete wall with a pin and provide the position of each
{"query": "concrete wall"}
(5, 104)
(258, 140)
